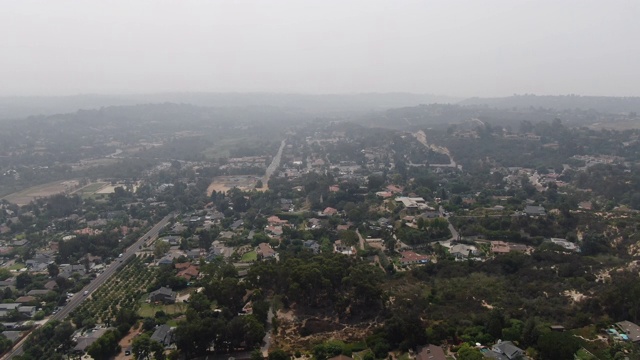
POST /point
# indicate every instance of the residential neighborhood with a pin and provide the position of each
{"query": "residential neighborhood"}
(334, 239)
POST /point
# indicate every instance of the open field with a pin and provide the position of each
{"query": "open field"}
(222, 145)
(24, 197)
(87, 164)
(91, 189)
(226, 183)
(99, 188)
(149, 310)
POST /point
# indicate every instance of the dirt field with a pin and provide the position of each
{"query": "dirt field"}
(90, 189)
(109, 189)
(226, 183)
(126, 342)
(297, 331)
(26, 196)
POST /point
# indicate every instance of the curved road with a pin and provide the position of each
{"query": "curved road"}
(78, 298)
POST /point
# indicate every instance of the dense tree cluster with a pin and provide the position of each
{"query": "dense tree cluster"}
(327, 280)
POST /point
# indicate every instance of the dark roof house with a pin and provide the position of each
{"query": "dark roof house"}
(532, 210)
(163, 334)
(312, 245)
(163, 295)
(631, 329)
(431, 352)
(508, 349)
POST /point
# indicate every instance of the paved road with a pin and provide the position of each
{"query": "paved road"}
(360, 239)
(454, 233)
(78, 298)
(275, 163)
(268, 337)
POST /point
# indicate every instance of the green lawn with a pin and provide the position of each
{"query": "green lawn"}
(91, 188)
(16, 266)
(582, 354)
(89, 191)
(149, 310)
(249, 257)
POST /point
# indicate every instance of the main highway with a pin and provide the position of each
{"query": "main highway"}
(79, 297)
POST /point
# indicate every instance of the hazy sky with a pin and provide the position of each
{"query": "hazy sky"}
(449, 47)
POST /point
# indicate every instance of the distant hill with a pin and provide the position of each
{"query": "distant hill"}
(599, 103)
(20, 107)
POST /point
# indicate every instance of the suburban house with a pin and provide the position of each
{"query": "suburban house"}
(85, 340)
(431, 352)
(329, 211)
(172, 240)
(508, 349)
(312, 245)
(38, 264)
(566, 244)
(274, 230)
(189, 273)
(225, 235)
(462, 251)
(163, 295)
(630, 329)
(194, 254)
(275, 220)
(12, 335)
(286, 204)
(167, 260)
(7, 308)
(38, 292)
(66, 270)
(412, 202)
(314, 223)
(163, 334)
(520, 248)
(344, 249)
(216, 249)
(410, 257)
(265, 251)
(236, 225)
(26, 299)
(500, 247)
(533, 210)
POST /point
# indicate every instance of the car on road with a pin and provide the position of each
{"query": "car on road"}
(85, 293)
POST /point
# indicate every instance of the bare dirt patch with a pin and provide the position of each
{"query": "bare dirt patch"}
(574, 295)
(126, 342)
(296, 331)
(226, 183)
(24, 197)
